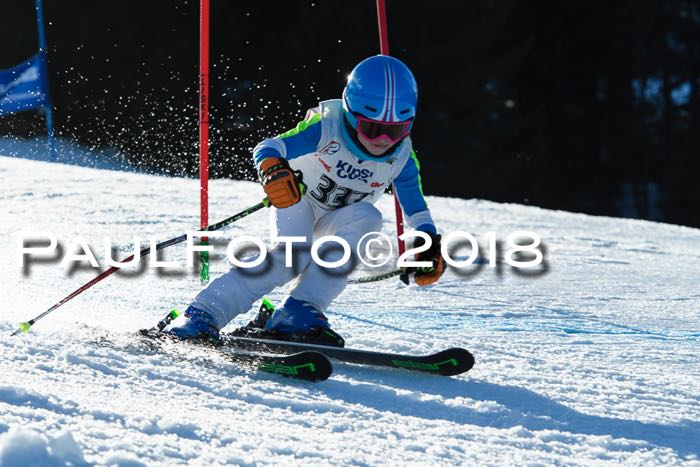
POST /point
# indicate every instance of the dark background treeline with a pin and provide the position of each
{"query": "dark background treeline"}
(577, 105)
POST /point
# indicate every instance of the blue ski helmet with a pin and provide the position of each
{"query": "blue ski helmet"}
(381, 88)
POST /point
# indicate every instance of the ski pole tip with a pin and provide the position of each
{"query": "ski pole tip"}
(24, 327)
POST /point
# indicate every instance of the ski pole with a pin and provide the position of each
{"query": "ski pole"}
(403, 272)
(24, 327)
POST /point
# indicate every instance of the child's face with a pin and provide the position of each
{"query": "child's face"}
(376, 147)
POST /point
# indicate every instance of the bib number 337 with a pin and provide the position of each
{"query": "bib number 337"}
(331, 194)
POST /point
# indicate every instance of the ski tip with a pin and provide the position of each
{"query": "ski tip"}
(24, 327)
(448, 362)
(462, 361)
(322, 366)
(308, 366)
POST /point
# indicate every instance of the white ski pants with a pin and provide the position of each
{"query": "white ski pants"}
(236, 291)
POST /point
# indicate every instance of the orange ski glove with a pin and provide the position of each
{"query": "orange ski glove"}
(283, 186)
(429, 275)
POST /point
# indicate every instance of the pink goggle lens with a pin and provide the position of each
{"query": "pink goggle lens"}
(372, 130)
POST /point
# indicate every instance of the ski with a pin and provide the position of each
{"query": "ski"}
(304, 364)
(448, 362)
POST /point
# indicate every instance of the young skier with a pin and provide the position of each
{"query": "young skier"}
(346, 152)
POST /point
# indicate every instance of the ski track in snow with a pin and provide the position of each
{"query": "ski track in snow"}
(590, 360)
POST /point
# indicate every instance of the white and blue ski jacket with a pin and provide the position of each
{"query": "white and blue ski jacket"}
(337, 173)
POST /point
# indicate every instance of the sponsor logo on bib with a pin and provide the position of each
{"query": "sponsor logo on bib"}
(347, 171)
(331, 148)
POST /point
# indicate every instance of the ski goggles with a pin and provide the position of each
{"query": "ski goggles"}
(373, 130)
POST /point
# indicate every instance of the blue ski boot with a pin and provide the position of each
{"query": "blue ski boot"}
(301, 321)
(194, 324)
(297, 318)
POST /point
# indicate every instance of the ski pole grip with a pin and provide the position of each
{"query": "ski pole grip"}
(404, 275)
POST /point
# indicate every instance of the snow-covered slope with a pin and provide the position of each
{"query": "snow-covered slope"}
(593, 360)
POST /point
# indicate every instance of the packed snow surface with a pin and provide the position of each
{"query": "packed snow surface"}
(590, 359)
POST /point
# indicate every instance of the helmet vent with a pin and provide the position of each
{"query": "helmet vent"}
(404, 111)
(371, 109)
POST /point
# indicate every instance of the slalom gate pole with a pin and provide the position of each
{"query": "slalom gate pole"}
(24, 327)
(384, 50)
(204, 133)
